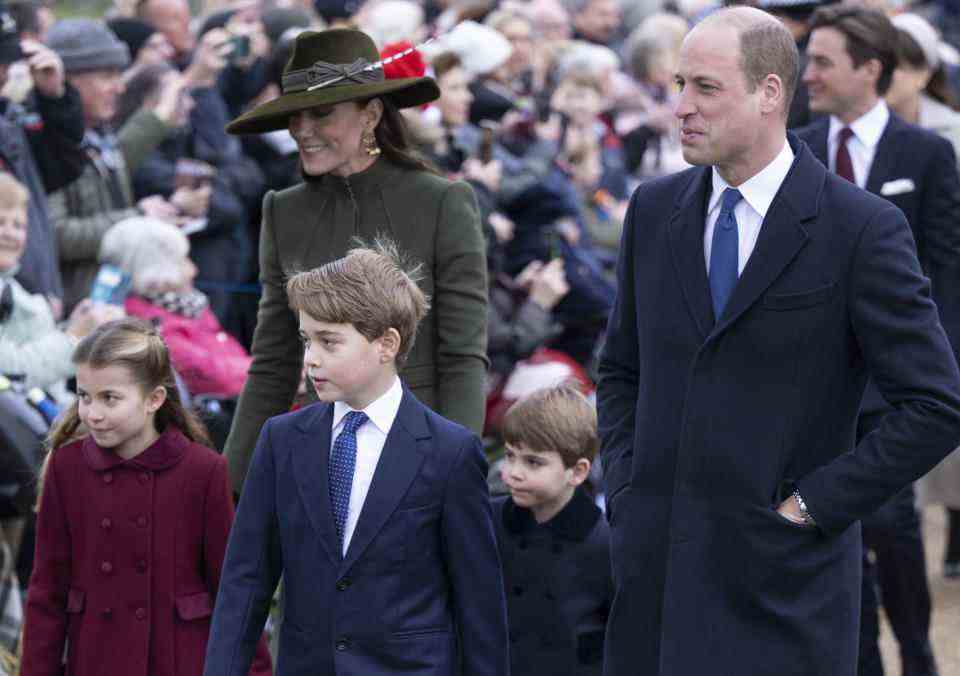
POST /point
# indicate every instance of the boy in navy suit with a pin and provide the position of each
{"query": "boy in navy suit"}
(373, 508)
(554, 542)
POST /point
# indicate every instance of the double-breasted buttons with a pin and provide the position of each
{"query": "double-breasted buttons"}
(107, 478)
(144, 477)
(106, 613)
(141, 613)
(106, 523)
(142, 522)
(106, 567)
(142, 566)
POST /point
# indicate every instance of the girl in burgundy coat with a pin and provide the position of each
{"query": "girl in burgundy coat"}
(133, 522)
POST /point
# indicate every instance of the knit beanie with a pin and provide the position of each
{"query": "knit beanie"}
(132, 32)
(87, 44)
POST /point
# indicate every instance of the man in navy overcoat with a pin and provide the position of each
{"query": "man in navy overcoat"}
(756, 293)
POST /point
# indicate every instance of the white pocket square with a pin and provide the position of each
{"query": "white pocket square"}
(898, 187)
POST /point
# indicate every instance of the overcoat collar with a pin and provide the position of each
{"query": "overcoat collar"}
(403, 453)
(574, 522)
(782, 236)
(162, 454)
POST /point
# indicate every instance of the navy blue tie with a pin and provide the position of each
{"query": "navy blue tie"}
(343, 460)
(723, 253)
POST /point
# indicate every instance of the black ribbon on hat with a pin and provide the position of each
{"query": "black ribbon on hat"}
(326, 74)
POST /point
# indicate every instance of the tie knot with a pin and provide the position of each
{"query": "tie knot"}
(845, 134)
(731, 197)
(353, 421)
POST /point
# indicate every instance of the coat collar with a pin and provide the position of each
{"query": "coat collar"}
(574, 522)
(782, 236)
(164, 453)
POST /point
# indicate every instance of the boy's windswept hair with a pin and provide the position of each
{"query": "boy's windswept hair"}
(557, 418)
(372, 287)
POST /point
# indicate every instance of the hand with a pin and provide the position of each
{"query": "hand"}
(247, 24)
(488, 174)
(549, 130)
(790, 510)
(549, 285)
(192, 201)
(173, 102)
(503, 227)
(46, 68)
(89, 315)
(524, 280)
(56, 306)
(156, 206)
(569, 230)
(209, 59)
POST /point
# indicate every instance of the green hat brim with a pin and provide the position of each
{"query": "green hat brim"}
(273, 115)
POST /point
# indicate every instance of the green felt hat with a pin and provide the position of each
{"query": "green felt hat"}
(330, 67)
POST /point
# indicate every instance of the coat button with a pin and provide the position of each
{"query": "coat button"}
(107, 478)
(107, 613)
(106, 567)
(518, 591)
(142, 566)
(106, 523)
(142, 522)
(343, 644)
(144, 477)
(343, 584)
(141, 613)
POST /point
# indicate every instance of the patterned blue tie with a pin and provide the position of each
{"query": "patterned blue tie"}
(723, 254)
(343, 460)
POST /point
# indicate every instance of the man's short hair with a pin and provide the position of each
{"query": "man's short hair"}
(869, 35)
(371, 288)
(557, 418)
(12, 193)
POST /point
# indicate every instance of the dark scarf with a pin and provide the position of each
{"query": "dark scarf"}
(190, 304)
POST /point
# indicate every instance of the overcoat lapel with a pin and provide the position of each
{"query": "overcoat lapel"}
(310, 461)
(818, 142)
(686, 243)
(888, 151)
(399, 465)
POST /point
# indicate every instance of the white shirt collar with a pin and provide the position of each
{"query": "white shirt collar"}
(868, 128)
(381, 411)
(759, 190)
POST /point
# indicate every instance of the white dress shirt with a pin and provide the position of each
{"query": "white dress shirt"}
(758, 192)
(371, 437)
(862, 146)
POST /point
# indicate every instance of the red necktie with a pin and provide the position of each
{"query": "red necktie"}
(844, 166)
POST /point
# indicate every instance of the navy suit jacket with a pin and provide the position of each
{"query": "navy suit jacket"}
(420, 590)
(708, 422)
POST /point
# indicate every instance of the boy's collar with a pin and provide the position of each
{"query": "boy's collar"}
(573, 522)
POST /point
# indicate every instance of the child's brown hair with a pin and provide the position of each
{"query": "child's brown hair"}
(371, 288)
(557, 418)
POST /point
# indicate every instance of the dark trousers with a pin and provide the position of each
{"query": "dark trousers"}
(897, 578)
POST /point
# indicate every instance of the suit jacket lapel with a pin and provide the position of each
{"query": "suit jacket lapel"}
(817, 139)
(310, 461)
(399, 464)
(885, 158)
(686, 244)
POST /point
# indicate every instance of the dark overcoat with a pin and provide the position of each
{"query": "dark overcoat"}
(557, 579)
(435, 223)
(128, 561)
(419, 592)
(707, 424)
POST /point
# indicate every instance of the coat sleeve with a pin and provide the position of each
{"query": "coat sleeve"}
(45, 622)
(619, 369)
(79, 237)
(910, 359)
(250, 571)
(277, 356)
(460, 308)
(473, 564)
(218, 518)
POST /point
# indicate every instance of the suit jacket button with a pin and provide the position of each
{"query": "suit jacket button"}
(106, 523)
(141, 613)
(106, 567)
(343, 644)
(343, 584)
(518, 591)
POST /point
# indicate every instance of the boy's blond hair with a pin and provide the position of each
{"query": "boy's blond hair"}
(557, 418)
(372, 288)
(12, 193)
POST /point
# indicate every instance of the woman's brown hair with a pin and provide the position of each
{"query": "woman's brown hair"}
(137, 346)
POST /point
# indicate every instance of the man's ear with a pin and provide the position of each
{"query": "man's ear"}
(773, 94)
(389, 345)
(580, 471)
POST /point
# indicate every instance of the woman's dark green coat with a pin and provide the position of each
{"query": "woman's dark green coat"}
(436, 223)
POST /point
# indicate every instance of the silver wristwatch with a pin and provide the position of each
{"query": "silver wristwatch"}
(804, 512)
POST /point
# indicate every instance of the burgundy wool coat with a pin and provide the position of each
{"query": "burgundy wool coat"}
(128, 561)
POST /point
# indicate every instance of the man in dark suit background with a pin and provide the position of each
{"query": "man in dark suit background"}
(852, 56)
(756, 293)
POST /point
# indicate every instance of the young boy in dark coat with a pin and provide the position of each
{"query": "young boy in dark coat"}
(373, 508)
(554, 543)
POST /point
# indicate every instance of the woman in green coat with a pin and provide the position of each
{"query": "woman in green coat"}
(362, 181)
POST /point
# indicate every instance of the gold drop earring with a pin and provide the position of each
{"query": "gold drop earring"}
(370, 144)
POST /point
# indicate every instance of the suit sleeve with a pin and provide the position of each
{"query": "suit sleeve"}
(473, 564)
(910, 359)
(250, 572)
(45, 623)
(460, 309)
(618, 368)
(940, 248)
(277, 356)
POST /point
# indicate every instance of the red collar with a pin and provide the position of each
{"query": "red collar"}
(165, 452)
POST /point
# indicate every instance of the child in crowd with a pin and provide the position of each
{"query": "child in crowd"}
(372, 507)
(554, 542)
(133, 522)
